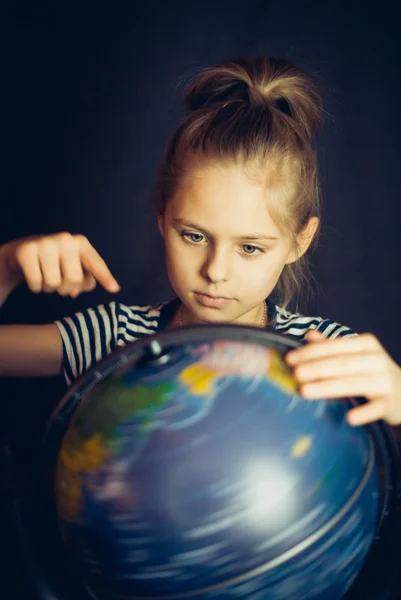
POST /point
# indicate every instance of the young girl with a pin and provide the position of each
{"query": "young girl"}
(238, 208)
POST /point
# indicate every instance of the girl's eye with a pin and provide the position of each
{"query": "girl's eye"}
(251, 250)
(196, 238)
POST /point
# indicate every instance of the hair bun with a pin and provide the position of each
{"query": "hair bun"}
(274, 84)
(216, 85)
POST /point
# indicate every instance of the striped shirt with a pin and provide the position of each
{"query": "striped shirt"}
(90, 335)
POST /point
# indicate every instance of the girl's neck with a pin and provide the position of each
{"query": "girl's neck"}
(183, 317)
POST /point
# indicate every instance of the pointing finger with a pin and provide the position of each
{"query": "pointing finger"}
(94, 263)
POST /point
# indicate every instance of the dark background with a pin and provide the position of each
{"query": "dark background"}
(93, 91)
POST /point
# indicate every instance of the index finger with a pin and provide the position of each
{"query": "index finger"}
(333, 347)
(94, 264)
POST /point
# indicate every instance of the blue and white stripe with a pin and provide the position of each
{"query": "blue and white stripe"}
(297, 325)
(92, 334)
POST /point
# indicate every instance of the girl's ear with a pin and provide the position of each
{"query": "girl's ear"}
(160, 223)
(304, 239)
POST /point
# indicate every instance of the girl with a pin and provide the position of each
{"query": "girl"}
(237, 205)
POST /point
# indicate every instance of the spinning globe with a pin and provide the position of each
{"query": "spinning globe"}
(190, 467)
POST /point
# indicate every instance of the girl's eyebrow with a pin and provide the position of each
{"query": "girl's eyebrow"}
(253, 236)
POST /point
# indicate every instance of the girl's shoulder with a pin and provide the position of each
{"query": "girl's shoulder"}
(145, 316)
(93, 333)
(297, 325)
(151, 318)
(144, 319)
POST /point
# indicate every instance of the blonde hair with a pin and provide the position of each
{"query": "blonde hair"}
(261, 113)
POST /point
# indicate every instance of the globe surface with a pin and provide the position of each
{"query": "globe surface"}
(206, 474)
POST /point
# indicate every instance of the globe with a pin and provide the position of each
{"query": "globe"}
(192, 467)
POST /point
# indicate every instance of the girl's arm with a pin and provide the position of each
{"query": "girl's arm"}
(63, 263)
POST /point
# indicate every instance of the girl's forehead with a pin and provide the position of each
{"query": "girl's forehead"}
(209, 172)
(214, 220)
(219, 183)
(224, 196)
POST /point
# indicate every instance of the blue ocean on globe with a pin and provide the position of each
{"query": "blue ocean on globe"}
(210, 476)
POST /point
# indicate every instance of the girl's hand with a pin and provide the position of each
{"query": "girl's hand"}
(345, 367)
(62, 263)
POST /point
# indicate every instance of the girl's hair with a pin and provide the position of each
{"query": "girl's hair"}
(261, 114)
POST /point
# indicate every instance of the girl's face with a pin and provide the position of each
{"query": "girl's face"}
(224, 253)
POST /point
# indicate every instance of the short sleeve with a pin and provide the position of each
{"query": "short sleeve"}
(331, 329)
(297, 325)
(88, 336)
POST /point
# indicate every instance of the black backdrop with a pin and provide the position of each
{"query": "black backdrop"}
(93, 91)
